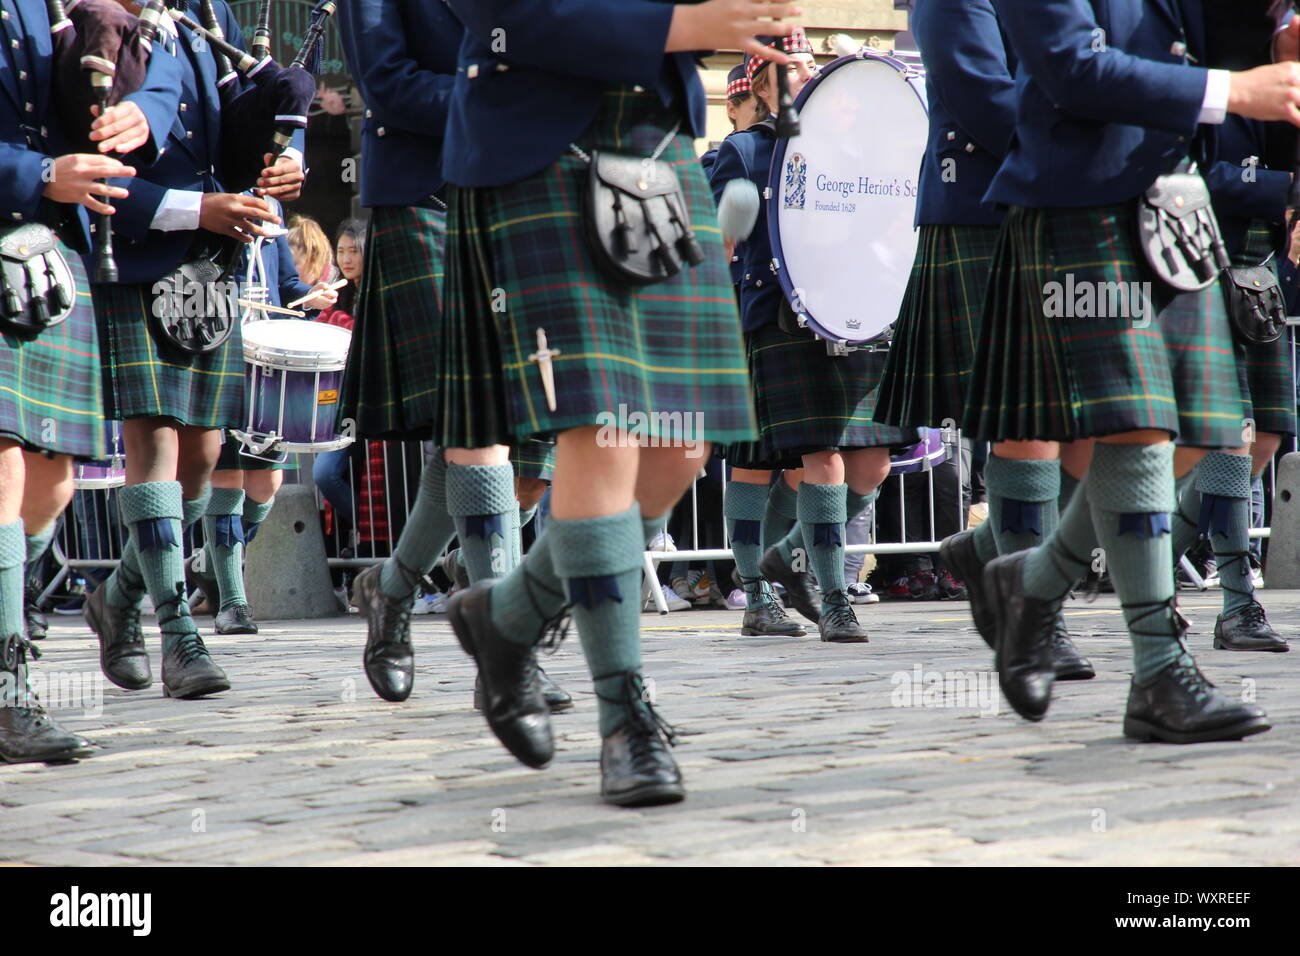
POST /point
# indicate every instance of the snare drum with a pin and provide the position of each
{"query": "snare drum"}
(295, 371)
(109, 472)
(841, 198)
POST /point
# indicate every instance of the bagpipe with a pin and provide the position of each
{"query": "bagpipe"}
(101, 55)
(263, 116)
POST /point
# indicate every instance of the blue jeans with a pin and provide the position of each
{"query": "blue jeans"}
(330, 472)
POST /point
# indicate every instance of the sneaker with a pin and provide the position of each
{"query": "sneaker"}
(675, 601)
(860, 593)
(899, 589)
(950, 589)
(924, 586)
(703, 589)
(736, 600)
(423, 604)
(663, 541)
(438, 603)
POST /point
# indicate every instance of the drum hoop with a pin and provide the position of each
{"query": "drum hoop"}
(776, 174)
(305, 363)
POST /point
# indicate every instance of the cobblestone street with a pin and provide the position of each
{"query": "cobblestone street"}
(900, 751)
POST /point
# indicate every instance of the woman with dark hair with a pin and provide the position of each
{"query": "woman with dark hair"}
(330, 469)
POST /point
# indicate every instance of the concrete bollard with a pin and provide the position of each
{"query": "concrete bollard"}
(1283, 568)
(286, 576)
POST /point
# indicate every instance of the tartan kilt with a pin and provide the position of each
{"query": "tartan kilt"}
(1042, 375)
(50, 391)
(231, 460)
(1264, 371)
(143, 379)
(533, 458)
(390, 387)
(930, 356)
(516, 255)
(810, 401)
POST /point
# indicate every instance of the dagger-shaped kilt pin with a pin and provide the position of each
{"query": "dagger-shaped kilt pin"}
(543, 357)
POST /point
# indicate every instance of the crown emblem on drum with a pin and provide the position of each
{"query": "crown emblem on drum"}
(796, 182)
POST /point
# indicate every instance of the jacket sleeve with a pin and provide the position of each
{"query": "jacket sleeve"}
(970, 73)
(399, 91)
(158, 99)
(1070, 56)
(291, 284)
(135, 213)
(617, 41)
(730, 165)
(23, 173)
(1263, 197)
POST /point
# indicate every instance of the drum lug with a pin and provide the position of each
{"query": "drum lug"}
(837, 348)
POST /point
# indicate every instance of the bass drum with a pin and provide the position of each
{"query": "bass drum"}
(841, 198)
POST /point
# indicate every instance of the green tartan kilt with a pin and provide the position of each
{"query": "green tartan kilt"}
(516, 256)
(934, 339)
(390, 387)
(50, 397)
(1265, 371)
(143, 379)
(533, 458)
(1114, 365)
(230, 459)
(810, 401)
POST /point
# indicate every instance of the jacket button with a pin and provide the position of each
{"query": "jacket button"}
(951, 136)
(185, 107)
(381, 131)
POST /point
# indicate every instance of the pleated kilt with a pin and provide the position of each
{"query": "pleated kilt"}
(1265, 371)
(50, 391)
(143, 379)
(533, 458)
(930, 357)
(809, 401)
(1042, 375)
(517, 263)
(390, 387)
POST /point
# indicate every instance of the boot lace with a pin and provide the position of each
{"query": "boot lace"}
(839, 611)
(650, 728)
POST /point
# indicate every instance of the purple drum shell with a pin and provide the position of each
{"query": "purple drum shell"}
(310, 407)
(97, 475)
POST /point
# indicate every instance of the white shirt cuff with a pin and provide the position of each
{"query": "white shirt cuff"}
(294, 152)
(1214, 108)
(178, 212)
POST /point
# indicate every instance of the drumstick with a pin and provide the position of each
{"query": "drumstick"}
(262, 306)
(315, 292)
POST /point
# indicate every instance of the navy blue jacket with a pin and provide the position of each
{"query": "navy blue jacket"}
(30, 140)
(517, 107)
(748, 154)
(403, 59)
(1095, 128)
(190, 162)
(972, 98)
(1240, 198)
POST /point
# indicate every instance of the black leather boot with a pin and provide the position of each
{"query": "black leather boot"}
(957, 551)
(37, 625)
(798, 584)
(188, 670)
(1248, 630)
(1068, 663)
(515, 707)
(236, 620)
(767, 618)
(1180, 706)
(28, 734)
(123, 657)
(636, 768)
(388, 659)
(839, 625)
(557, 698)
(1024, 630)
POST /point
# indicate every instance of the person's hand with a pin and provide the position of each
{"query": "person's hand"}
(1286, 44)
(1267, 92)
(121, 129)
(1293, 253)
(331, 101)
(324, 298)
(73, 179)
(228, 214)
(282, 180)
(730, 25)
(729, 246)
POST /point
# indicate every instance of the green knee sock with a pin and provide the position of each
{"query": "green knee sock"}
(855, 504)
(1022, 501)
(780, 512)
(986, 543)
(480, 498)
(599, 560)
(822, 512)
(126, 586)
(1068, 484)
(193, 509)
(152, 512)
(529, 596)
(1185, 516)
(255, 512)
(37, 544)
(1224, 483)
(1051, 569)
(223, 536)
(743, 510)
(514, 536)
(1131, 489)
(13, 554)
(428, 531)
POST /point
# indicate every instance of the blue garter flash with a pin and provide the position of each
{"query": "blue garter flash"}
(1022, 517)
(1215, 516)
(481, 526)
(827, 535)
(229, 531)
(748, 532)
(1145, 524)
(154, 534)
(591, 591)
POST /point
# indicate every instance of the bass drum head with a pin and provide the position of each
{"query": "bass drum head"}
(842, 196)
